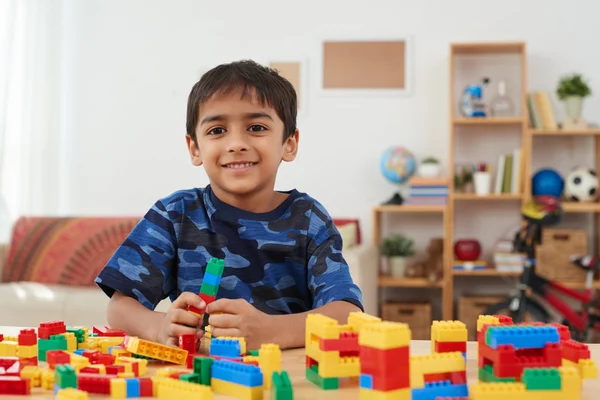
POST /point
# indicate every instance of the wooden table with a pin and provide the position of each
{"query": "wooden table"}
(294, 363)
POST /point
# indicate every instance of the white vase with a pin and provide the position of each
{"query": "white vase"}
(429, 170)
(398, 266)
(573, 106)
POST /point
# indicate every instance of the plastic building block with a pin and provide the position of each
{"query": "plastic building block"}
(398, 394)
(436, 363)
(385, 335)
(71, 394)
(436, 389)
(27, 337)
(282, 386)
(169, 389)
(521, 337)
(14, 385)
(241, 374)
(65, 377)
(449, 347)
(269, 360)
(236, 390)
(187, 342)
(106, 331)
(202, 367)
(10, 366)
(50, 328)
(155, 350)
(312, 375)
(227, 347)
(118, 388)
(541, 379)
(448, 331)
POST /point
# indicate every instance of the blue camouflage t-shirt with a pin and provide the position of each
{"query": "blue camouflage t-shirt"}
(285, 261)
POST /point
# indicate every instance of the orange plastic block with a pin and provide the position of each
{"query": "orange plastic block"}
(155, 350)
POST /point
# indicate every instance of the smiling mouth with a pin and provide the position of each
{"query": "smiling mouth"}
(240, 165)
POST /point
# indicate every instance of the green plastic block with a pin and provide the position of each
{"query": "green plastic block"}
(215, 266)
(253, 353)
(56, 342)
(312, 375)
(65, 377)
(78, 332)
(541, 379)
(209, 290)
(193, 378)
(486, 374)
(282, 387)
(202, 366)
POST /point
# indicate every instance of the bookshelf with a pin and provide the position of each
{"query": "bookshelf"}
(484, 139)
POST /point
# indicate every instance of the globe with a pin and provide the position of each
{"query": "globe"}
(398, 165)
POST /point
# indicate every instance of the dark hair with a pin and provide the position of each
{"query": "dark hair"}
(265, 83)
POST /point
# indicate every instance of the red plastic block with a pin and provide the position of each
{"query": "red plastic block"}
(145, 387)
(1, 337)
(252, 363)
(177, 374)
(89, 370)
(187, 341)
(348, 343)
(106, 331)
(32, 361)
(115, 369)
(94, 383)
(27, 337)
(448, 347)
(14, 385)
(510, 363)
(575, 351)
(207, 299)
(189, 362)
(458, 377)
(99, 358)
(10, 366)
(47, 329)
(379, 362)
(310, 362)
(57, 357)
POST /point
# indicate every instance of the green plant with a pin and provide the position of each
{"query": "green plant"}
(572, 85)
(398, 246)
(430, 160)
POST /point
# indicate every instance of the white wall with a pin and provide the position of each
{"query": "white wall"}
(129, 67)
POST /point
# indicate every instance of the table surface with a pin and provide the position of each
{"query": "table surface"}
(293, 362)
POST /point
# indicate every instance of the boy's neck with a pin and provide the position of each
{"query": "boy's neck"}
(258, 202)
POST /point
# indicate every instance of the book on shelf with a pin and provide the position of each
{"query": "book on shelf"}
(428, 191)
(509, 174)
(541, 110)
(477, 265)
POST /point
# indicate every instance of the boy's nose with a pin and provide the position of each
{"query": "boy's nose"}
(237, 142)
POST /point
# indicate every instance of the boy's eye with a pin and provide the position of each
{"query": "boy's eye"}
(257, 128)
(216, 131)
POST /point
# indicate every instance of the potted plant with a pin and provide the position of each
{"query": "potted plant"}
(430, 168)
(572, 90)
(397, 248)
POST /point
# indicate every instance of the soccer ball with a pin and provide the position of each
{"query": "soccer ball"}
(581, 185)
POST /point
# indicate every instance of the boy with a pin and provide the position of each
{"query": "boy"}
(281, 251)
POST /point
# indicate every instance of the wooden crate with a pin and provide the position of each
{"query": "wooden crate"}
(553, 254)
(416, 315)
(471, 307)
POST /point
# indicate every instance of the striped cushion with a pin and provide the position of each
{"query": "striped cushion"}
(69, 251)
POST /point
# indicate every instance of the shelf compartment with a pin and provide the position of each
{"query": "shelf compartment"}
(488, 48)
(411, 208)
(389, 281)
(563, 133)
(492, 196)
(574, 207)
(488, 121)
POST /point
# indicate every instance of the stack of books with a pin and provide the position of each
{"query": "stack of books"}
(428, 191)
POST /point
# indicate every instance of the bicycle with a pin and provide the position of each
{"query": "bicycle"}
(539, 212)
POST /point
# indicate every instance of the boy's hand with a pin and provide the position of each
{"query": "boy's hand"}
(179, 320)
(238, 318)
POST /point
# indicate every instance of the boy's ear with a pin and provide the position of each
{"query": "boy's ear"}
(290, 147)
(194, 151)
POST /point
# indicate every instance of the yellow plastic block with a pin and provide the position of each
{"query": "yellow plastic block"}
(27, 351)
(344, 367)
(486, 319)
(71, 394)
(173, 389)
(11, 339)
(33, 373)
(235, 390)
(126, 374)
(385, 335)
(156, 350)
(71, 341)
(8, 348)
(436, 363)
(248, 359)
(399, 394)
(319, 326)
(142, 364)
(588, 369)
(48, 378)
(165, 371)
(106, 342)
(117, 352)
(207, 333)
(449, 331)
(357, 320)
(269, 361)
(78, 362)
(118, 388)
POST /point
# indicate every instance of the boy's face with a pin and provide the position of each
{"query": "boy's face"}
(240, 143)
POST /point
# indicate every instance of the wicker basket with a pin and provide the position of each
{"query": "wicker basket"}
(416, 315)
(471, 307)
(553, 254)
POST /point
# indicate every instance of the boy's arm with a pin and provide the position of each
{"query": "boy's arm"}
(128, 314)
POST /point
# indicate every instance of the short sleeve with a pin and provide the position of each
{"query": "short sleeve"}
(328, 276)
(143, 267)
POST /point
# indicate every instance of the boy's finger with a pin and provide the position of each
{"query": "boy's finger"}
(228, 306)
(227, 332)
(184, 317)
(186, 299)
(174, 330)
(224, 320)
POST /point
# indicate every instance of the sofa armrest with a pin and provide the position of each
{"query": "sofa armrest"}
(3, 256)
(363, 262)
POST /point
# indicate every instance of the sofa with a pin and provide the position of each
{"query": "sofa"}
(47, 270)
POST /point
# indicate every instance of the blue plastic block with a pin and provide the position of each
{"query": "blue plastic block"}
(234, 372)
(434, 390)
(522, 336)
(366, 381)
(132, 387)
(225, 347)
(211, 279)
(79, 352)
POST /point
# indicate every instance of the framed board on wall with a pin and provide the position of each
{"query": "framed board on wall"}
(367, 66)
(295, 71)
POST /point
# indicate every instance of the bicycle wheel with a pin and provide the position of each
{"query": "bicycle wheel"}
(534, 312)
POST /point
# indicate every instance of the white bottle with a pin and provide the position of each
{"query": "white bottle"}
(501, 105)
